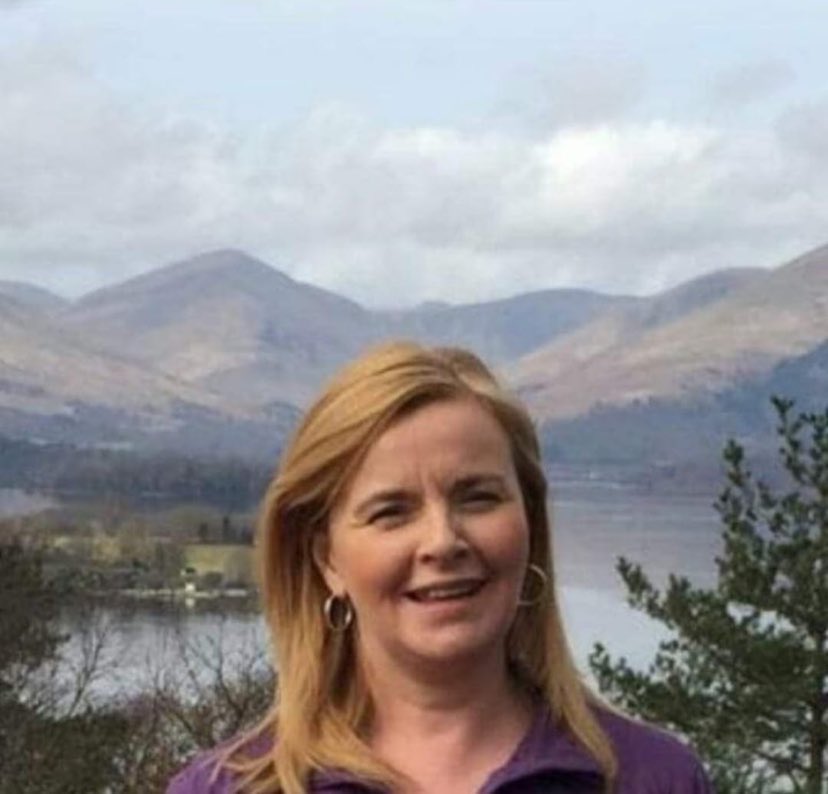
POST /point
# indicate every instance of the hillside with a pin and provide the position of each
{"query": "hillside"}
(232, 324)
(50, 369)
(669, 432)
(739, 333)
(229, 323)
(218, 353)
(54, 387)
(503, 330)
(32, 297)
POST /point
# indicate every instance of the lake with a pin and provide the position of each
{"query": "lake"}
(16, 502)
(594, 523)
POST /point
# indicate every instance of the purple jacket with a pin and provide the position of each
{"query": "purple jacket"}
(546, 761)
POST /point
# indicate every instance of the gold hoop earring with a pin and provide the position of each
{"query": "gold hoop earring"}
(345, 612)
(541, 591)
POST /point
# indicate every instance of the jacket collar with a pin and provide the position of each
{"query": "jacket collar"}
(545, 748)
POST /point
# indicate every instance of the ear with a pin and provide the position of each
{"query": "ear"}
(322, 560)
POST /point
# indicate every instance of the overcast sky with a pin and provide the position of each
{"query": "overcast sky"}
(406, 150)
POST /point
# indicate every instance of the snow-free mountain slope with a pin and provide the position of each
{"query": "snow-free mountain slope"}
(230, 323)
(505, 329)
(32, 296)
(746, 331)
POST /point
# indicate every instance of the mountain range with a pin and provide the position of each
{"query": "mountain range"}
(218, 354)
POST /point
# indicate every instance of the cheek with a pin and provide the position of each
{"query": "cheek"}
(509, 548)
(371, 570)
(514, 561)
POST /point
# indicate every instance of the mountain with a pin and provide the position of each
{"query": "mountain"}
(60, 368)
(229, 323)
(217, 353)
(503, 330)
(672, 435)
(698, 293)
(219, 348)
(31, 296)
(54, 387)
(703, 345)
(804, 378)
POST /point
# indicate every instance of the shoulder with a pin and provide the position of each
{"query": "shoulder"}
(199, 777)
(204, 774)
(652, 760)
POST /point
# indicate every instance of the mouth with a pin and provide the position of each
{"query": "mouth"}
(454, 590)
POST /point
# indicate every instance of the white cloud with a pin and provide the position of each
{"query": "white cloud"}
(751, 82)
(803, 130)
(573, 91)
(95, 189)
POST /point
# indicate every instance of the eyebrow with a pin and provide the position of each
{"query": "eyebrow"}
(402, 495)
(381, 497)
(474, 480)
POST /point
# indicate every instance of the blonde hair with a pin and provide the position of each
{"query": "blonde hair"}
(322, 709)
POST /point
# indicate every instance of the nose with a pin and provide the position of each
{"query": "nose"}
(442, 537)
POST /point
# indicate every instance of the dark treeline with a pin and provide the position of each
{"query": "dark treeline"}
(64, 469)
(57, 737)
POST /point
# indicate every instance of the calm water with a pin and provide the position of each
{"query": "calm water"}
(593, 525)
(142, 646)
(14, 502)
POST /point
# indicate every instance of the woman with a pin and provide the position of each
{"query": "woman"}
(408, 583)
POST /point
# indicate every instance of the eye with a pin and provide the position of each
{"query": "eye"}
(480, 498)
(388, 514)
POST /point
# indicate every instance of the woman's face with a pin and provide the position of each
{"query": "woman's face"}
(430, 541)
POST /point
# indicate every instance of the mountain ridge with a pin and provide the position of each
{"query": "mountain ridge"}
(32, 296)
(769, 316)
(222, 346)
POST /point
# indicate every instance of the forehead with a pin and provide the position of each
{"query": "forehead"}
(441, 435)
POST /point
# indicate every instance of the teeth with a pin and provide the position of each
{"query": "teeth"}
(449, 591)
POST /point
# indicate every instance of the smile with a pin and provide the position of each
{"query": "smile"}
(446, 591)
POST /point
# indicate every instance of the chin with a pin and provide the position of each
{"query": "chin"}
(461, 648)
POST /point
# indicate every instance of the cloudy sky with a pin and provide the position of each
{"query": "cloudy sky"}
(405, 150)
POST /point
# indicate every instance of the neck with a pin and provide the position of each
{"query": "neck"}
(464, 700)
(445, 727)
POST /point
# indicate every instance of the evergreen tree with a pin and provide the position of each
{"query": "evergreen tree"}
(28, 611)
(44, 751)
(744, 674)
